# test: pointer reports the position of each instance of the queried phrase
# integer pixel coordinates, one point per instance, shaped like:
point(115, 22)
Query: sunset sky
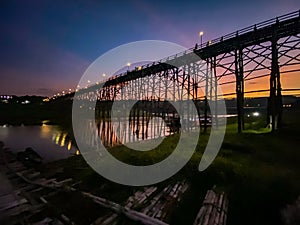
point(47, 45)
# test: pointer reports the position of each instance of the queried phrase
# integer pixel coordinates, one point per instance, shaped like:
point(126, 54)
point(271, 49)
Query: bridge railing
point(229, 36)
point(253, 28)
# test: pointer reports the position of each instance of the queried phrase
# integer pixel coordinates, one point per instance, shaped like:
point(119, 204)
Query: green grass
point(259, 171)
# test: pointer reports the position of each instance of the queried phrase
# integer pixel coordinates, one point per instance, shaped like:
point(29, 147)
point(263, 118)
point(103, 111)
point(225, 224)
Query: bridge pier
point(239, 74)
point(275, 101)
point(206, 97)
point(214, 75)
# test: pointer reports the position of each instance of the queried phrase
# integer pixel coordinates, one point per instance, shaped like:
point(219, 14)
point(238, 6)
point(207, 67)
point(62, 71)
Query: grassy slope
point(260, 173)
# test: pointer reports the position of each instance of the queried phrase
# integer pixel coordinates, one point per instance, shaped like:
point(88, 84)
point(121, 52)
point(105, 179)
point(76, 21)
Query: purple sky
point(47, 45)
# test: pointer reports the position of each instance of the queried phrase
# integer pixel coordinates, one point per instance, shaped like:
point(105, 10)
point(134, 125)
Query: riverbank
point(36, 113)
point(259, 172)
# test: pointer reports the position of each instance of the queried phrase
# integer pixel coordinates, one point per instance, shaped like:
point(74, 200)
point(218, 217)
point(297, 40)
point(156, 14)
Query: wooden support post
point(188, 96)
point(239, 73)
point(216, 90)
point(275, 102)
point(206, 97)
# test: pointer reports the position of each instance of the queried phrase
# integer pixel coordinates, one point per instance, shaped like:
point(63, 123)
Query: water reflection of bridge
point(267, 49)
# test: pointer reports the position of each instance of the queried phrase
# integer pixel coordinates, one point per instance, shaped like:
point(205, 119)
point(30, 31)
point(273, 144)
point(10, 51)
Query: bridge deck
point(286, 25)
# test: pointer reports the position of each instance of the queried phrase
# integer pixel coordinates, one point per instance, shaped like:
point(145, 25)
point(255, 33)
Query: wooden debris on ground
point(25, 191)
point(150, 206)
point(213, 210)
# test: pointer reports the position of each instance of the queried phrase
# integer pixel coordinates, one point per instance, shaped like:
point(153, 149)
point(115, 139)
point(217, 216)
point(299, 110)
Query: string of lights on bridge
point(88, 84)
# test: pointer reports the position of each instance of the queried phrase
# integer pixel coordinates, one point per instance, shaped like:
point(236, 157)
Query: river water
point(47, 140)
point(51, 143)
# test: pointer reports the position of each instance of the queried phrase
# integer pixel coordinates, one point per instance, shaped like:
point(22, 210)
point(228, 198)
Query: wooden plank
point(213, 210)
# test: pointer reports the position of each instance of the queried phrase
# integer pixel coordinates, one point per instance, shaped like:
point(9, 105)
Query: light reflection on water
point(47, 140)
point(122, 131)
point(51, 143)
